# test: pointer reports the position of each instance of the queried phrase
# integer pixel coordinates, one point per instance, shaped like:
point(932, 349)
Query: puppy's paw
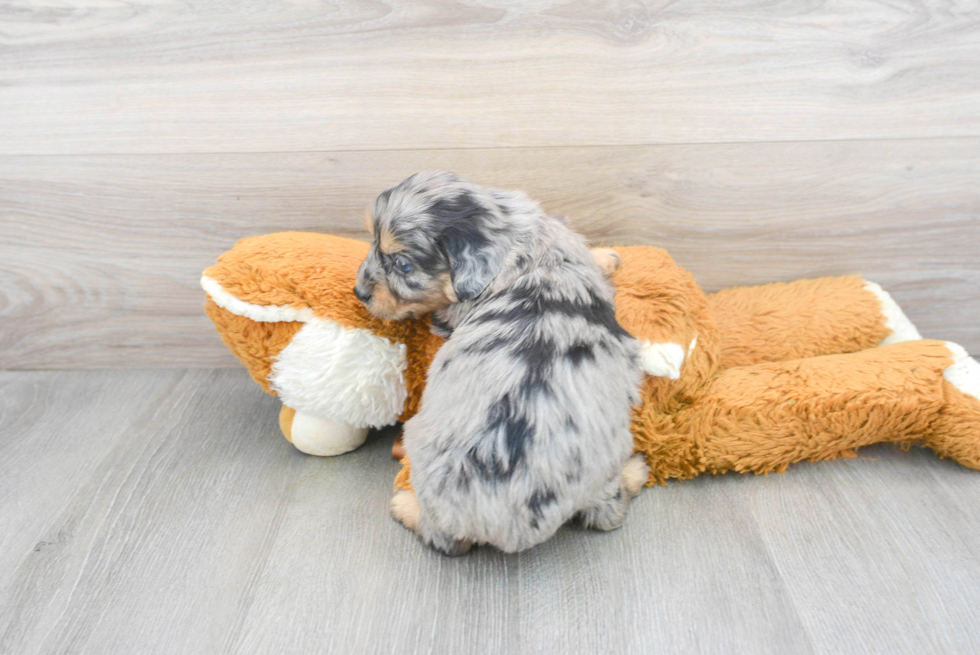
point(449, 546)
point(607, 259)
point(405, 508)
point(609, 510)
point(635, 474)
point(606, 515)
point(398, 448)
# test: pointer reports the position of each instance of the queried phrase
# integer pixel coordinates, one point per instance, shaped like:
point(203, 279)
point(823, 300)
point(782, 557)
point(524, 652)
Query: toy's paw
point(317, 436)
point(607, 259)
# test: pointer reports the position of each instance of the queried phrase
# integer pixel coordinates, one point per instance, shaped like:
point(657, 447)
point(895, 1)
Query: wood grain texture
point(176, 77)
point(866, 521)
point(101, 255)
point(140, 554)
point(161, 512)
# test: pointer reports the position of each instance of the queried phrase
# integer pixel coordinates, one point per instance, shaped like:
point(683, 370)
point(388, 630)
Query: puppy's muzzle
point(362, 293)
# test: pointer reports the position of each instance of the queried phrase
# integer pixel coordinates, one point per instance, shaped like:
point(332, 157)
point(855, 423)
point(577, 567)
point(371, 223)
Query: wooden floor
point(161, 512)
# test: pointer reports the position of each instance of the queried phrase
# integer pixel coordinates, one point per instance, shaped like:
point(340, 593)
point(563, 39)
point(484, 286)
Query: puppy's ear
point(472, 263)
point(475, 254)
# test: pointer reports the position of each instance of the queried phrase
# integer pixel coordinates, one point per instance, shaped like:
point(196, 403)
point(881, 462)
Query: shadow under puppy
point(525, 418)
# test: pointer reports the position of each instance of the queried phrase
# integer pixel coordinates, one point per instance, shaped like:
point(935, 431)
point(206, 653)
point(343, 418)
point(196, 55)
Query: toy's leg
point(806, 318)
point(763, 418)
point(610, 511)
point(317, 436)
point(956, 433)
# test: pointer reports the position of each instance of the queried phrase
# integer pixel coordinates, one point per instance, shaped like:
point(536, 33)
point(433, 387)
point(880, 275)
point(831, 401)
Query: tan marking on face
point(384, 305)
point(388, 243)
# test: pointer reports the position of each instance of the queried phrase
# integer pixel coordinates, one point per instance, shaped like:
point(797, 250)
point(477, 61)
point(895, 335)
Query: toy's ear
point(474, 255)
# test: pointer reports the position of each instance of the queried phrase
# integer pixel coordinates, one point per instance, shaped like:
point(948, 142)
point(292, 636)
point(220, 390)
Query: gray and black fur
point(525, 419)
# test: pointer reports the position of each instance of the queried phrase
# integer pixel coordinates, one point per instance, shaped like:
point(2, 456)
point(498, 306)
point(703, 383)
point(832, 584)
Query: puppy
point(524, 421)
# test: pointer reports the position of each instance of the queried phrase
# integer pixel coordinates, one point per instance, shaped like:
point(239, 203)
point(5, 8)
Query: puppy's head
point(437, 239)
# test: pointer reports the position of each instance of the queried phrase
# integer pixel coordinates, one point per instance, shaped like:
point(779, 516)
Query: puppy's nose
point(363, 296)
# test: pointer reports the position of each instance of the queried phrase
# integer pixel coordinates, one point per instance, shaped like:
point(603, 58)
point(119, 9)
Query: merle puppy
point(525, 418)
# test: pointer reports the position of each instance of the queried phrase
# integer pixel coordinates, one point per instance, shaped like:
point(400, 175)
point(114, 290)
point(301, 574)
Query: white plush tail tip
point(901, 327)
point(964, 373)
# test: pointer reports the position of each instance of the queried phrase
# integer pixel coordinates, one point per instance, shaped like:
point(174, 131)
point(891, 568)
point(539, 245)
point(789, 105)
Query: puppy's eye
point(402, 265)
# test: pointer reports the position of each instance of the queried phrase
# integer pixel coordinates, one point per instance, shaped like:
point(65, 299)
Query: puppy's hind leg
point(405, 508)
point(609, 511)
point(442, 541)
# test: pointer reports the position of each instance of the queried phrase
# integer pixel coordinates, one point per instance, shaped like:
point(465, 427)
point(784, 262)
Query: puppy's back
point(527, 410)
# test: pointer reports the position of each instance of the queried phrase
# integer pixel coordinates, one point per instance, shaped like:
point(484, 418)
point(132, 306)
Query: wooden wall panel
point(178, 77)
point(100, 255)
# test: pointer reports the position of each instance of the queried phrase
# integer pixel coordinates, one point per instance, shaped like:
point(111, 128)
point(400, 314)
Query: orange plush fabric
point(762, 418)
point(255, 344)
point(956, 430)
point(772, 375)
point(792, 320)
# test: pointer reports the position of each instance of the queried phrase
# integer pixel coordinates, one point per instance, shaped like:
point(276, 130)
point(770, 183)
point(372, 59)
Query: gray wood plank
point(689, 572)
point(206, 77)
point(191, 526)
point(879, 553)
point(343, 577)
point(670, 581)
point(154, 550)
point(101, 256)
point(55, 428)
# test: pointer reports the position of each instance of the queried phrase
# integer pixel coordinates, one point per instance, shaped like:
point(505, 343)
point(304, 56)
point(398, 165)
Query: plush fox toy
point(746, 379)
